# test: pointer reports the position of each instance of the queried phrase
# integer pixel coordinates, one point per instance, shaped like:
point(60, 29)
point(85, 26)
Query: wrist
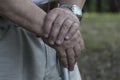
point(74, 8)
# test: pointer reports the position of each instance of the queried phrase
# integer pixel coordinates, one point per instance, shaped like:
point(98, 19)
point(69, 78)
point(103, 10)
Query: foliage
point(102, 6)
point(101, 33)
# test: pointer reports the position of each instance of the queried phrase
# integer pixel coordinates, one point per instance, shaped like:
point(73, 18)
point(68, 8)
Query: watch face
point(76, 10)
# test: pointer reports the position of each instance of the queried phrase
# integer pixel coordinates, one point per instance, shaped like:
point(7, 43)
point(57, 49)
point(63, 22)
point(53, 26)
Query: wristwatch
point(74, 8)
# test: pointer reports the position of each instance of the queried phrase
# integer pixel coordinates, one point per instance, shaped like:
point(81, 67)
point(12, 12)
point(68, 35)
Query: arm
point(24, 13)
point(76, 2)
point(61, 23)
point(58, 23)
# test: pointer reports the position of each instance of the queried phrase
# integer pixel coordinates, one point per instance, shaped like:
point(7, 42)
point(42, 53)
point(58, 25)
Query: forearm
point(24, 13)
point(77, 2)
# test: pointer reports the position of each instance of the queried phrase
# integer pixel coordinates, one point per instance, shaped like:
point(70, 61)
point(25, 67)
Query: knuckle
point(56, 24)
point(49, 17)
point(66, 25)
point(69, 21)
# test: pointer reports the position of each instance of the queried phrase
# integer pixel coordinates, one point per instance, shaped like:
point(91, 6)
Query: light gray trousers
point(23, 56)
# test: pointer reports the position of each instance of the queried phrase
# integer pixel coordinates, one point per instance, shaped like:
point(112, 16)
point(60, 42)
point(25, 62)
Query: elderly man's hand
point(60, 24)
point(69, 50)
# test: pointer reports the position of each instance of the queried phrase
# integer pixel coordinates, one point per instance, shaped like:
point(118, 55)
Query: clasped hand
point(61, 32)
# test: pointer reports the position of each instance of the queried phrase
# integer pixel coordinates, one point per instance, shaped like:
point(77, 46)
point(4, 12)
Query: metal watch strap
point(74, 8)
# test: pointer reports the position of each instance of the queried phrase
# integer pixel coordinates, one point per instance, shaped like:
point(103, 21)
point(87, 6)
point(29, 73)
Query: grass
point(101, 33)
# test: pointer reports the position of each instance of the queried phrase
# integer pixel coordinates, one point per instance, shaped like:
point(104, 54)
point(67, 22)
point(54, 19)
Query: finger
point(72, 30)
point(70, 58)
point(62, 57)
point(81, 41)
point(77, 50)
point(49, 19)
point(56, 28)
point(65, 27)
point(79, 46)
point(72, 42)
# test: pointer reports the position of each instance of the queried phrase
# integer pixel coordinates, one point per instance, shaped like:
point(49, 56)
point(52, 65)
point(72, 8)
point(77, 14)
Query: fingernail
point(58, 42)
point(67, 37)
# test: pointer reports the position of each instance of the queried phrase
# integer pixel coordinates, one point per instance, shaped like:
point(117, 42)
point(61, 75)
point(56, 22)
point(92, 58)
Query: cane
point(66, 73)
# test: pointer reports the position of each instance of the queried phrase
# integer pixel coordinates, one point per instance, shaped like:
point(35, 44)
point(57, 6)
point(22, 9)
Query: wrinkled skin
point(60, 24)
point(61, 32)
point(69, 51)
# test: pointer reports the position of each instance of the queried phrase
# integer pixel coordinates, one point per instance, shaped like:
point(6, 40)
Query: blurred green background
point(100, 28)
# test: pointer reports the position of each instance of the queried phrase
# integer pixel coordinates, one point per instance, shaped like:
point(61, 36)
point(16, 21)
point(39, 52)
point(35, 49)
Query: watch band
point(74, 8)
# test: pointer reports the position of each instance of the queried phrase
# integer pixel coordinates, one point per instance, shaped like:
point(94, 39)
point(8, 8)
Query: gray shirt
point(42, 1)
point(23, 56)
